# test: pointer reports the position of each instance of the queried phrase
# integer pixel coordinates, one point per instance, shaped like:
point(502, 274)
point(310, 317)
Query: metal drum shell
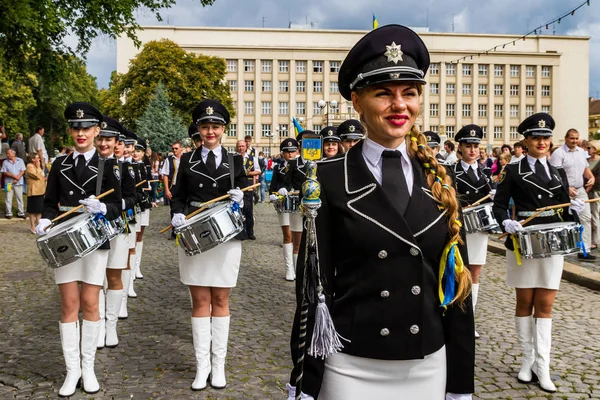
point(288, 204)
point(546, 240)
point(479, 218)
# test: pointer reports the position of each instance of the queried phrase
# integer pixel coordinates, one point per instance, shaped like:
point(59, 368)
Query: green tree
point(158, 124)
point(16, 100)
point(189, 78)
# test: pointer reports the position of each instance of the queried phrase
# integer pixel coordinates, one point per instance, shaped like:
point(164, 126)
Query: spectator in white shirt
point(517, 153)
point(36, 145)
point(13, 169)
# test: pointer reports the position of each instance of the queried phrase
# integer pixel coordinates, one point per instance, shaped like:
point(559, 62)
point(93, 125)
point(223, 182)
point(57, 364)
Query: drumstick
point(566, 204)
point(479, 201)
point(204, 205)
point(153, 180)
point(524, 222)
point(140, 182)
point(292, 193)
point(79, 207)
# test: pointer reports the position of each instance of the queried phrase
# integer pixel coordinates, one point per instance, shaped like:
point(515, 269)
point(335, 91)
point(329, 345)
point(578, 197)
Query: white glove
point(40, 229)
point(273, 197)
point(237, 195)
point(512, 226)
point(178, 220)
point(123, 204)
point(460, 396)
point(577, 205)
point(93, 205)
point(492, 193)
point(292, 393)
point(283, 191)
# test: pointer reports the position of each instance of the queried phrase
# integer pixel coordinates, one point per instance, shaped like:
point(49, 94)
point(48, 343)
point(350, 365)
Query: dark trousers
point(248, 212)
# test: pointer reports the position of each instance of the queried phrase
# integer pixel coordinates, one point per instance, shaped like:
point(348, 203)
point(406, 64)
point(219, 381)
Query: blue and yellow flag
point(297, 127)
point(375, 22)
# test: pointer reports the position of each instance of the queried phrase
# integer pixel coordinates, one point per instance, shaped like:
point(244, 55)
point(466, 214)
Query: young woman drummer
point(203, 175)
point(534, 183)
point(143, 194)
point(332, 145)
point(288, 177)
point(73, 180)
point(388, 230)
point(472, 184)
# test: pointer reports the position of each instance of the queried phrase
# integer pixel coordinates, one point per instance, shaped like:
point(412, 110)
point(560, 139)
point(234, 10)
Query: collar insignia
point(393, 53)
point(79, 113)
point(210, 110)
point(472, 132)
point(351, 128)
point(541, 123)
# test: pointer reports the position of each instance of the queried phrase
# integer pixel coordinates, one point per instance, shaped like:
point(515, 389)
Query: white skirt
point(542, 273)
point(218, 267)
point(356, 378)
point(145, 218)
point(90, 269)
point(131, 237)
point(293, 220)
point(119, 252)
point(477, 247)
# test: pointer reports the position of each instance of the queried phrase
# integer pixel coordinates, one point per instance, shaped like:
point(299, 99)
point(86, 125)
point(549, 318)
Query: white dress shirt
point(574, 162)
point(166, 169)
point(473, 166)
point(516, 159)
point(372, 152)
point(87, 155)
point(544, 162)
point(218, 155)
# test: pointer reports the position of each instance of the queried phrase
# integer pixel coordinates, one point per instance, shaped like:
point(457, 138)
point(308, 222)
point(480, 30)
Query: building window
point(498, 70)
point(300, 86)
point(318, 67)
point(334, 109)
point(434, 69)
point(450, 88)
point(498, 90)
point(232, 65)
point(514, 90)
point(450, 131)
point(284, 86)
point(466, 90)
point(232, 130)
point(434, 88)
point(514, 135)
point(284, 130)
point(498, 132)
point(316, 108)
point(318, 87)
point(514, 111)
point(483, 89)
point(301, 67)
point(232, 86)
point(466, 111)
point(514, 70)
point(266, 86)
point(284, 108)
point(483, 70)
point(334, 87)
point(545, 71)
point(266, 108)
point(235, 106)
point(248, 65)
point(248, 107)
point(528, 111)
point(530, 71)
point(545, 91)
point(530, 90)
point(434, 128)
point(467, 69)
point(546, 109)
point(248, 129)
point(266, 130)
point(317, 128)
point(483, 110)
point(284, 66)
point(484, 131)
point(434, 110)
point(450, 110)
point(248, 86)
point(301, 108)
point(334, 67)
point(450, 69)
point(498, 110)
point(267, 65)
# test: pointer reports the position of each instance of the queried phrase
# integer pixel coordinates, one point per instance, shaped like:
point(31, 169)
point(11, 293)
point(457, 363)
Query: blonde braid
point(442, 189)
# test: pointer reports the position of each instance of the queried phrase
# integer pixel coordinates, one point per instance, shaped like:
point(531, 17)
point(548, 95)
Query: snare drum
point(288, 204)
point(72, 240)
point(210, 228)
point(546, 240)
point(479, 218)
point(115, 227)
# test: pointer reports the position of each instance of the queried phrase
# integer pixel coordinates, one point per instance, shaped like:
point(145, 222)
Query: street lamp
point(322, 104)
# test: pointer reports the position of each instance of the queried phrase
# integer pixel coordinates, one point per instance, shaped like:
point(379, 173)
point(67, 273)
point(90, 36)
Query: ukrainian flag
point(375, 22)
point(297, 127)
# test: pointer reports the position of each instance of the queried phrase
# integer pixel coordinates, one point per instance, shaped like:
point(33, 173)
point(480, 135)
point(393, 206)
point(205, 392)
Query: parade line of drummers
point(401, 239)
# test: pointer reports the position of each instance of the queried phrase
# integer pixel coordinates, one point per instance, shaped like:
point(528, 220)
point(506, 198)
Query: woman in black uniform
point(332, 145)
point(388, 233)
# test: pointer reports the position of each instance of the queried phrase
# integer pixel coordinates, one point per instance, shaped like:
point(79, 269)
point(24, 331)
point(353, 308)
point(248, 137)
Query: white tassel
point(325, 340)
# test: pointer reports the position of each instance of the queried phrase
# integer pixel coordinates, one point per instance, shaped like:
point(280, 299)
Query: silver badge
point(393, 53)
point(394, 76)
point(117, 172)
point(103, 125)
point(472, 132)
point(131, 172)
point(330, 133)
point(541, 123)
point(210, 110)
point(289, 144)
point(351, 128)
point(79, 113)
point(429, 138)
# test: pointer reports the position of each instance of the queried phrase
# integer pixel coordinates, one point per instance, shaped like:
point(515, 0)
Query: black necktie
point(471, 174)
point(211, 164)
point(80, 167)
point(540, 171)
point(393, 180)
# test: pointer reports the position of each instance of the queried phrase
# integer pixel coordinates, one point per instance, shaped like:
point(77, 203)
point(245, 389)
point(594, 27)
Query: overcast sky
point(473, 16)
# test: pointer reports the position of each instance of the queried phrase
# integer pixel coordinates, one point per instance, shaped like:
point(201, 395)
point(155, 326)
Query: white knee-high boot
point(475, 295)
point(201, 337)
point(102, 310)
point(132, 262)
point(288, 258)
point(543, 344)
point(114, 299)
point(89, 341)
point(220, 336)
point(525, 333)
point(69, 338)
point(126, 279)
point(139, 246)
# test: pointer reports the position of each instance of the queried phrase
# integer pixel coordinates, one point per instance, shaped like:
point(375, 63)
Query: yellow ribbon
point(458, 268)
point(516, 248)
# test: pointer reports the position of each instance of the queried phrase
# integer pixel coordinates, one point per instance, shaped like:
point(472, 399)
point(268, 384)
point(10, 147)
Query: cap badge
point(210, 110)
point(393, 53)
point(394, 76)
point(351, 128)
point(330, 133)
point(289, 144)
point(429, 138)
point(472, 132)
point(79, 113)
point(541, 123)
point(103, 125)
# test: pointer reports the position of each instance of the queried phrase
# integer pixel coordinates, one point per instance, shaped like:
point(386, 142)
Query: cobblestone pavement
point(155, 357)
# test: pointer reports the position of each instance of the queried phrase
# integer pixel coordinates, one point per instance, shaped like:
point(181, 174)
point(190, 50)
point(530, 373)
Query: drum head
point(66, 225)
point(550, 226)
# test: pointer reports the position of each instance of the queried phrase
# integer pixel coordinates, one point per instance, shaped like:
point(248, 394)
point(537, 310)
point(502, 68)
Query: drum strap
point(231, 169)
point(100, 176)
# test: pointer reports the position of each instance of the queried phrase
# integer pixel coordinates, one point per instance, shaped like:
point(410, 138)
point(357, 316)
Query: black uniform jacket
point(381, 273)
point(128, 184)
point(64, 189)
point(195, 183)
point(468, 191)
point(530, 193)
point(291, 176)
point(140, 171)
